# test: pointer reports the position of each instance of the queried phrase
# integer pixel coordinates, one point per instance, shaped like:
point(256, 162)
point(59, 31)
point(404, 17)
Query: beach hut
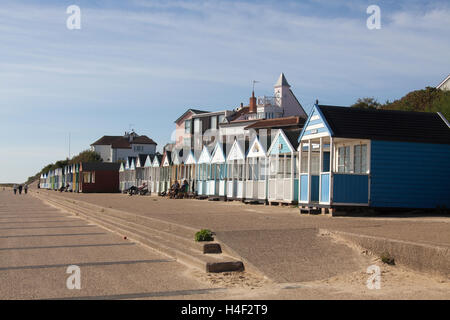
point(374, 158)
point(132, 172)
point(140, 169)
point(283, 167)
point(177, 168)
point(156, 173)
point(203, 171)
point(256, 172)
point(98, 177)
point(122, 177)
point(235, 170)
point(217, 182)
point(166, 172)
point(189, 170)
point(148, 170)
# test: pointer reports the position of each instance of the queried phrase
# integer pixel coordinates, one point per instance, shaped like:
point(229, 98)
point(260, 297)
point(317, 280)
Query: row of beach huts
point(333, 157)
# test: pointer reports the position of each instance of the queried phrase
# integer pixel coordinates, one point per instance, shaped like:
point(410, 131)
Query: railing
point(266, 101)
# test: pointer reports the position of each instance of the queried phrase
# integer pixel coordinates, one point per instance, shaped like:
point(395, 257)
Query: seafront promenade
point(297, 254)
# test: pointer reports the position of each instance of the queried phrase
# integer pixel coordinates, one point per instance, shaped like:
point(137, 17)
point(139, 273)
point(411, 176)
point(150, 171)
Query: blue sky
point(145, 62)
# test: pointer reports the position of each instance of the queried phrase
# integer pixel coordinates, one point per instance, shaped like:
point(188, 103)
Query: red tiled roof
point(277, 123)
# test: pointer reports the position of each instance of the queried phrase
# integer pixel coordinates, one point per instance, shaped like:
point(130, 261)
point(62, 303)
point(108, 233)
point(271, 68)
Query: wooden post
point(320, 167)
point(309, 171)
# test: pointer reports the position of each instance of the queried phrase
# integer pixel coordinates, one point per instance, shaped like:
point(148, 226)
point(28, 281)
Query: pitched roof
point(122, 142)
point(100, 166)
point(282, 81)
point(293, 136)
point(243, 111)
point(390, 125)
point(444, 81)
point(277, 123)
point(194, 111)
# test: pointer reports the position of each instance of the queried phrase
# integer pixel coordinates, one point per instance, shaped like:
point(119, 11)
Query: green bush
point(387, 258)
point(204, 235)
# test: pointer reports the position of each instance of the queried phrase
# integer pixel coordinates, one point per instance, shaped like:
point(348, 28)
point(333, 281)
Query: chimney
point(252, 107)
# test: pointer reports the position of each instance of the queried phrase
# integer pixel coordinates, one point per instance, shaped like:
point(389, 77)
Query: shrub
point(204, 235)
point(387, 258)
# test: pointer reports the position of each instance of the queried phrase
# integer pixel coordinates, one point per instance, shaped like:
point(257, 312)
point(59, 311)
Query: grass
point(204, 235)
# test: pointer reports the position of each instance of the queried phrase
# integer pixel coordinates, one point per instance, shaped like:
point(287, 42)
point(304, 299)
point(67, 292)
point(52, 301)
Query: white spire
point(282, 81)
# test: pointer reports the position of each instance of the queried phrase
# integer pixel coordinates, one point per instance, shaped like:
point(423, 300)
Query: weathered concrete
point(420, 257)
point(217, 267)
point(212, 248)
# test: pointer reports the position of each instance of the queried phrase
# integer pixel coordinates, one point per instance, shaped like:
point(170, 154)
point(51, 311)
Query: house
point(184, 128)
point(99, 177)
point(374, 158)
point(445, 84)
point(119, 148)
point(282, 104)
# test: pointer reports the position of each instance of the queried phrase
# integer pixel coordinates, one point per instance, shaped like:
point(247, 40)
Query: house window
point(138, 148)
point(221, 117)
point(187, 126)
point(344, 159)
point(197, 128)
point(360, 158)
point(214, 122)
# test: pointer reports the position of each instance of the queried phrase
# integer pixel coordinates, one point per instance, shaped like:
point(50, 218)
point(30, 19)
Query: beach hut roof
point(387, 125)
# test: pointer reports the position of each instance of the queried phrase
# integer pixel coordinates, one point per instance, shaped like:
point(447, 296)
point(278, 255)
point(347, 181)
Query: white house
point(445, 85)
point(282, 104)
point(120, 148)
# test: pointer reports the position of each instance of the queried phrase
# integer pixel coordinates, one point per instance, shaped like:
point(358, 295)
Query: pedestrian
point(15, 188)
point(20, 189)
point(25, 188)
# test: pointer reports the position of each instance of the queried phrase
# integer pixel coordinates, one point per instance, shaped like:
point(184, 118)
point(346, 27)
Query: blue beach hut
point(374, 158)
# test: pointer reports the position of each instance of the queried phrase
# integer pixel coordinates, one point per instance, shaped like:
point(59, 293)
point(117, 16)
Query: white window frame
point(351, 144)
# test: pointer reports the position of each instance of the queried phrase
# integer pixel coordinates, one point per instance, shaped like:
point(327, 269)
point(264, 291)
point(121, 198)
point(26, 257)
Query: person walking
point(20, 189)
point(25, 188)
point(15, 188)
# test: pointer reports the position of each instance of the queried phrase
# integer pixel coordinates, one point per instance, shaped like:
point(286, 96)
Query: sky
point(140, 64)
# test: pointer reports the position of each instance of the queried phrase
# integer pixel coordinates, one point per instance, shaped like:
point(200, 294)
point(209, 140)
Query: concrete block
point(230, 266)
point(212, 248)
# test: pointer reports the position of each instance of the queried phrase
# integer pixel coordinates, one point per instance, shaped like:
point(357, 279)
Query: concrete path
point(282, 244)
point(38, 243)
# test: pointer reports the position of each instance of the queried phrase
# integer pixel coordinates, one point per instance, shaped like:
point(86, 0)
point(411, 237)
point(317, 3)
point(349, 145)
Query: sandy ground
point(235, 219)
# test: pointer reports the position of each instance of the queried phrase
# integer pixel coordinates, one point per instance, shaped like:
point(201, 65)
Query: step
point(152, 222)
point(185, 252)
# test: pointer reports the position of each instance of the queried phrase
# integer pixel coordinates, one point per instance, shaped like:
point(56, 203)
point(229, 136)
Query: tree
point(367, 103)
point(86, 156)
point(426, 100)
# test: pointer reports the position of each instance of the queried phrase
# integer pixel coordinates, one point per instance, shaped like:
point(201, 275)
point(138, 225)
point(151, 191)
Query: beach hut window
point(280, 167)
point(88, 177)
point(360, 158)
point(344, 159)
point(273, 166)
point(296, 167)
point(287, 170)
point(315, 163)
